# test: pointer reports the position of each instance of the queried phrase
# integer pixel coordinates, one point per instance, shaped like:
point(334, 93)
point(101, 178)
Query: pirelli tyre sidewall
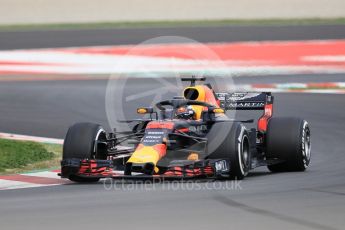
point(288, 140)
point(80, 143)
point(234, 147)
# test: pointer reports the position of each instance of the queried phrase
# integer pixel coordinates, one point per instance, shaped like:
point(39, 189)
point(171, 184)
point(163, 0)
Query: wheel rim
point(101, 136)
point(306, 145)
point(244, 160)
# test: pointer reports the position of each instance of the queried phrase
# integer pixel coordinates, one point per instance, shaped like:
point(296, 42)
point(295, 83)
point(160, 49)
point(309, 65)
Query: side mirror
point(217, 110)
point(145, 110)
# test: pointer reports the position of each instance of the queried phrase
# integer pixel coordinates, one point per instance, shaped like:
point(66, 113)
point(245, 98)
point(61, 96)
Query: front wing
point(179, 169)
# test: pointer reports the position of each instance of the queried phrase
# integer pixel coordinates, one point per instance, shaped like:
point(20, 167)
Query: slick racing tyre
point(84, 141)
point(230, 140)
point(288, 140)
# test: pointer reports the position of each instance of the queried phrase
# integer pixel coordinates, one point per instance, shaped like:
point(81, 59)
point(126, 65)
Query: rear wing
point(249, 101)
point(245, 100)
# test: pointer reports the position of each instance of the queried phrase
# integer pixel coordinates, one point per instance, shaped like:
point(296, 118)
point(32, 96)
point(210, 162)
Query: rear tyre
point(288, 140)
point(84, 141)
point(231, 141)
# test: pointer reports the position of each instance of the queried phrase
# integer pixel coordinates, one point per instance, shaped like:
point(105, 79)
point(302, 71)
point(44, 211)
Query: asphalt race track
point(53, 38)
point(310, 200)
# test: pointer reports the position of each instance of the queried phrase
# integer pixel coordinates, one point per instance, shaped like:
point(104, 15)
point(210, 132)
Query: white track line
point(45, 174)
point(11, 136)
point(10, 184)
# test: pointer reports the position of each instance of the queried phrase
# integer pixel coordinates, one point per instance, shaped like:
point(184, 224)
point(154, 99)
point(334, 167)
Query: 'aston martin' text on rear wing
point(244, 101)
point(249, 101)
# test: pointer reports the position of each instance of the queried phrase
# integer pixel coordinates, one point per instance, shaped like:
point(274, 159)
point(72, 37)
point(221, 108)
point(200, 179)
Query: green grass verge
point(149, 24)
point(23, 156)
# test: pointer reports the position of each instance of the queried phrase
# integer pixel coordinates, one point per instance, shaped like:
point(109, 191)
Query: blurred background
point(56, 59)
point(86, 11)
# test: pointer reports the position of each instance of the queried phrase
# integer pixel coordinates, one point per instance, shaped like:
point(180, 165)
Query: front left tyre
point(230, 140)
point(84, 141)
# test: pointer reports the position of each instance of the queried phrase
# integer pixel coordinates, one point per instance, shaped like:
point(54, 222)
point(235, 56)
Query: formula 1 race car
point(189, 137)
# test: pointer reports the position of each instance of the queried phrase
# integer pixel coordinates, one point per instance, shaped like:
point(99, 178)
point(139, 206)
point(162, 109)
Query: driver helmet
point(185, 112)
